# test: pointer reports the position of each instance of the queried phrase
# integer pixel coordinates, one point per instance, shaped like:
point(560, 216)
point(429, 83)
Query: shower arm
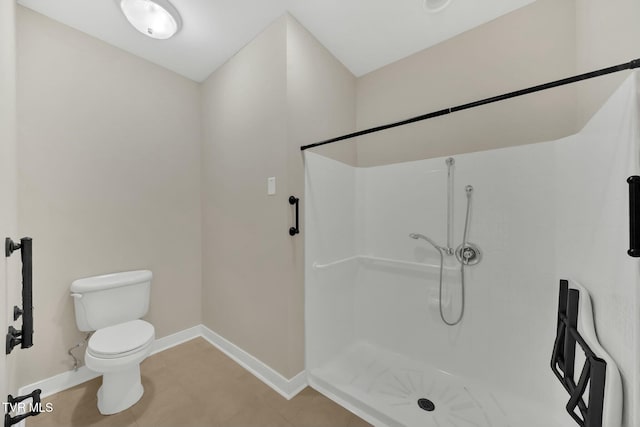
point(441, 249)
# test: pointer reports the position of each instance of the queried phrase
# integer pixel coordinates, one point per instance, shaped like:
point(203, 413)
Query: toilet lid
point(121, 339)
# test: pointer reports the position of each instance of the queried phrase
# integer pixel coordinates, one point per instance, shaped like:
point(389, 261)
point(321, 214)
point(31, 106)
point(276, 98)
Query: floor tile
point(258, 416)
point(79, 407)
point(196, 385)
point(310, 409)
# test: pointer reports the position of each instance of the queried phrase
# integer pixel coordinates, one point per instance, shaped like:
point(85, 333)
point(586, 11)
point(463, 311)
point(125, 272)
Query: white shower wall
point(540, 212)
point(593, 221)
point(330, 222)
point(512, 222)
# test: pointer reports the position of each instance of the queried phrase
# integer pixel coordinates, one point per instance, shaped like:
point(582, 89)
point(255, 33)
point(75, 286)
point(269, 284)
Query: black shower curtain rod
point(626, 66)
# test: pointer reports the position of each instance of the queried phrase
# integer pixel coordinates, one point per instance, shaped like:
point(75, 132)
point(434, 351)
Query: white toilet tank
point(111, 299)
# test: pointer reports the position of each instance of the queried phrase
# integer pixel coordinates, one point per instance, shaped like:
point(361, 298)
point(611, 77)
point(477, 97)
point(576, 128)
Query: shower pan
point(402, 392)
point(375, 340)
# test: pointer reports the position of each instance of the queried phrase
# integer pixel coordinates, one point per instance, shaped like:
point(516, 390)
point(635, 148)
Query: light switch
point(271, 186)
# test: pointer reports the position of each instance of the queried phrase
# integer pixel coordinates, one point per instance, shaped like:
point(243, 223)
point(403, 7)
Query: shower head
point(469, 190)
point(450, 161)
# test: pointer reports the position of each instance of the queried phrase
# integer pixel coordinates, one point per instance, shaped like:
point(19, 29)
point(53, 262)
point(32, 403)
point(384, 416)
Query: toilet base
point(120, 390)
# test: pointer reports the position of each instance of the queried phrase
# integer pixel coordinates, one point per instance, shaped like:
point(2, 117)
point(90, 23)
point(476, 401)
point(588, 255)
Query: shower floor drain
point(426, 405)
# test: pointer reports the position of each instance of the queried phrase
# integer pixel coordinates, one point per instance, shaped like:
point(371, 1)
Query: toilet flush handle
point(78, 296)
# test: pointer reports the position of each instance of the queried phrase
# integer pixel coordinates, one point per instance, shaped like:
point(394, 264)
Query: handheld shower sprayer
point(439, 248)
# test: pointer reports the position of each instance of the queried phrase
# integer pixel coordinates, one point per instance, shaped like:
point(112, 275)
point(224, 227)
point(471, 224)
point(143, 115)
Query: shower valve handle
point(468, 254)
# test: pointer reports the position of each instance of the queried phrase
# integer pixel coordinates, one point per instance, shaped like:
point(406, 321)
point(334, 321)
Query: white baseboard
point(286, 388)
point(60, 382)
point(164, 343)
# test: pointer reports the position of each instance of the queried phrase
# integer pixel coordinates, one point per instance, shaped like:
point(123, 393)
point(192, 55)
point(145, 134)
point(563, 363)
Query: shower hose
point(463, 262)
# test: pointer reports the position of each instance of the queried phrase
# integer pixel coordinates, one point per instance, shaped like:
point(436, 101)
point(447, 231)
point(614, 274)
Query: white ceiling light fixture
point(154, 18)
point(436, 5)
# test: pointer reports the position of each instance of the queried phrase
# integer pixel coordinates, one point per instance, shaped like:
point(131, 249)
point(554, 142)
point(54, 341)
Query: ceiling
point(363, 34)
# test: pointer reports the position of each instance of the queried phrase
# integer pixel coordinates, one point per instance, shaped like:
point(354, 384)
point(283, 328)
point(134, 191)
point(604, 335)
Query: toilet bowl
point(111, 305)
point(116, 352)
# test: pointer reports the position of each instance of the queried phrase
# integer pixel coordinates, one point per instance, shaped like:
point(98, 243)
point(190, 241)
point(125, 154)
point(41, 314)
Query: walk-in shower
point(379, 305)
point(375, 339)
point(466, 254)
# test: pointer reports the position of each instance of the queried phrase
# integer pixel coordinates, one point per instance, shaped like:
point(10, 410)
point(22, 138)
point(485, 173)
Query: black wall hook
point(295, 230)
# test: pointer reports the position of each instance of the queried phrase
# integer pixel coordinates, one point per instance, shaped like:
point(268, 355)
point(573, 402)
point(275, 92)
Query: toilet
point(112, 305)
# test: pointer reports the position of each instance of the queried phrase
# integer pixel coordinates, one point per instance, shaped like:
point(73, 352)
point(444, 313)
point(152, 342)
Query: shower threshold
point(388, 389)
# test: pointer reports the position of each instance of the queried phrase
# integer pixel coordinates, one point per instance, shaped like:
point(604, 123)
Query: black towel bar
point(295, 230)
point(634, 216)
point(24, 336)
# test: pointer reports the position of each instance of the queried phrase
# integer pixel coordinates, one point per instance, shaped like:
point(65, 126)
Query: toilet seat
point(121, 340)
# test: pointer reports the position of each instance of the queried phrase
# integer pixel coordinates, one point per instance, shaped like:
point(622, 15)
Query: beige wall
point(321, 95)
point(109, 180)
point(8, 198)
point(254, 124)
point(529, 46)
point(246, 250)
point(607, 33)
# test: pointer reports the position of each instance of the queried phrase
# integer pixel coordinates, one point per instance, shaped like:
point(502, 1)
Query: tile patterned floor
point(195, 385)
